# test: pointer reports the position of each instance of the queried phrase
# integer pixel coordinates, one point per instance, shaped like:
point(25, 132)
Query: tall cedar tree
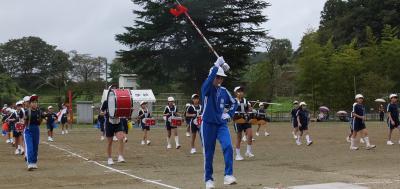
point(166, 51)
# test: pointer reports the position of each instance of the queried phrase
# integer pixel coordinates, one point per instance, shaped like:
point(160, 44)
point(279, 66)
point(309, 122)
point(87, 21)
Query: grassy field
point(78, 160)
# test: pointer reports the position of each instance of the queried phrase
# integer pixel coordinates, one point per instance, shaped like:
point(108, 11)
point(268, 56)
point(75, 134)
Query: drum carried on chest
point(262, 118)
point(253, 118)
point(149, 121)
point(239, 118)
point(19, 127)
point(120, 103)
point(176, 121)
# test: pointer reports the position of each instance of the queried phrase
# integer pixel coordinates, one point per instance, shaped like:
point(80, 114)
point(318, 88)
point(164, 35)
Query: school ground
point(78, 160)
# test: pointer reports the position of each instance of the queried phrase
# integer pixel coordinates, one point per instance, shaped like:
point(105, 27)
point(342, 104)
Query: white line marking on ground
point(156, 182)
point(378, 182)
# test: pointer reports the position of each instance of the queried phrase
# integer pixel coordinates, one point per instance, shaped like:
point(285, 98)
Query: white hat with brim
point(195, 95)
point(143, 102)
point(393, 96)
point(237, 88)
point(171, 99)
point(50, 107)
point(220, 72)
point(359, 96)
point(303, 104)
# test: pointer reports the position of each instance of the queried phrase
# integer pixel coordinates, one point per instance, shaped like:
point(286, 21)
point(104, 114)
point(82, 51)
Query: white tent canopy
point(137, 96)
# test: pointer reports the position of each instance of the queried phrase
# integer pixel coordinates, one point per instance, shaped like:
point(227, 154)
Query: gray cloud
point(89, 26)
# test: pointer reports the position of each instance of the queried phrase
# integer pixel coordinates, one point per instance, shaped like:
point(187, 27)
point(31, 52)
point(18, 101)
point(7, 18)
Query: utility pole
point(106, 74)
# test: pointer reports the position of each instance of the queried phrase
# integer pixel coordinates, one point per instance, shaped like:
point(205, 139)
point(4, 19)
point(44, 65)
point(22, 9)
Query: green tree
point(170, 51)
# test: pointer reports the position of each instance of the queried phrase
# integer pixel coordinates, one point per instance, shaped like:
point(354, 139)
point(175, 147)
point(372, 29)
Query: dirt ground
point(278, 162)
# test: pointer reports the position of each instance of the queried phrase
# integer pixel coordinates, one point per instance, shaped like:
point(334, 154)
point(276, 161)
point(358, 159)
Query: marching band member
point(171, 111)
point(194, 113)
point(262, 115)
point(293, 119)
point(214, 125)
point(187, 119)
point(19, 143)
point(6, 115)
point(302, 122)
point(243, 108)
point(64, 119)
point(393, 117)
point(12, 120)
point(33, 119)
point(113, 127)
point(51, 118)
point(142, 115)
point(358, 114)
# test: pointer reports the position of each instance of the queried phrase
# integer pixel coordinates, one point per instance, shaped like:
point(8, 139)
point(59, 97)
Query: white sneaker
point(193, 151)
point(210, 184)
point(371, 146)
point(143, 143)
point(17, 151)
point(115, 138)
point(110, 161)
point(257, 134)
point(178, 146)
point(62, 132)
point(244, 139)
point(239, 157)
point(30, 167)
point(34, 166)
point(121, 159)
point(187, 134)
point(362, 141)
point(12, 141)
point(8, 141)
point(266, 134)
point(348, 139)
point(249, 154)
point(229, 180)
point(294, 135)
point(389, 142)
point(148, 142)
point(125, 139)
point(21, 151)
point(66, 131)
point(169, 146)
point(102, 138)
point(353, 148)
point(309, 143)
point(298, 143)
point(49, 139)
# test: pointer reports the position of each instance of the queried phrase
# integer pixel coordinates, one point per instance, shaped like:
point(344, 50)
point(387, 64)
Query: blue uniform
point(294, 118)
point(213, 126)
point(393, 109)
point(32, 134)
point(358, 124)
point(303, 117)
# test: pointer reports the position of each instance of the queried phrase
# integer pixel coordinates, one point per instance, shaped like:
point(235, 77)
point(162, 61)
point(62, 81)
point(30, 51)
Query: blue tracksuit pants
point(31, 137)
point(209, 134)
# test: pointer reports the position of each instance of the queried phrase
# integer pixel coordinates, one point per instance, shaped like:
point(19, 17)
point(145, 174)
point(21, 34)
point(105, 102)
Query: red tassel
point(180, 9)
point(174, 12)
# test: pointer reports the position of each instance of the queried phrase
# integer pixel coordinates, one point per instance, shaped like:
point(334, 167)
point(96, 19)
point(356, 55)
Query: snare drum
point(239, 118)
point(120, 103)
point(252, 118)
point(149, 121)
point(19, 127)
point(176, 121)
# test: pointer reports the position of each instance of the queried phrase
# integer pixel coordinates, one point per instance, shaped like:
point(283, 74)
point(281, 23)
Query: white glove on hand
point(225, 67)
point(220, 61)
point(225, 116)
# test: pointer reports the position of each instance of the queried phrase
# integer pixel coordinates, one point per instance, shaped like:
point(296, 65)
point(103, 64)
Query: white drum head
point(111, 103)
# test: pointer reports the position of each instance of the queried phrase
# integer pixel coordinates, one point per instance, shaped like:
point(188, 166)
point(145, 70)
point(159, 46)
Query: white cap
point(143, 102)
point(50, 107)
point(303, 104)
point(295, 102)
point(237, 88)
point(26, 98)
point(194, 95)
point(19, 103)
point(171, 99)
point(392, 96)
point(220, 72)
point(359, 96)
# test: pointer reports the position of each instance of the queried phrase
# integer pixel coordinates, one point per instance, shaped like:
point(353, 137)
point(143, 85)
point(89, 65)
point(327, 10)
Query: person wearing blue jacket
point(215, 119)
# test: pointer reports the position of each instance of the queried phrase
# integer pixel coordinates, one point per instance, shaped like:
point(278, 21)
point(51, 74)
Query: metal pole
point(355, 89)
point(106, 75)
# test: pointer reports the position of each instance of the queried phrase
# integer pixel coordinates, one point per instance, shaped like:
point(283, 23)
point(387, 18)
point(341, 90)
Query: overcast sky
point(89, 26)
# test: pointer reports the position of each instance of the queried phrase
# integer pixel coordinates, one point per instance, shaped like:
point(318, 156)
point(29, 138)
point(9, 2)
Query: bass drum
point(120, 103)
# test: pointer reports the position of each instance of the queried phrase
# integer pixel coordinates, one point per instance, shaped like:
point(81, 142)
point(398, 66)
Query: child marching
point(33, 119)
point(214, 125)
point(194, 113)
point(302, 122)
point(262, 119)
point(19, 129)
point(51, 118)
point(293, 119)
point(63, 117)
point(359, 127)
point(170, 112)
point(143, 114)
point(244, 107)
point(393, 117)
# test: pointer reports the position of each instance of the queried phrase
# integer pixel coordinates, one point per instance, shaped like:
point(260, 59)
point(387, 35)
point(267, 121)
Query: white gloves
point(221, 63)
point(225, 116)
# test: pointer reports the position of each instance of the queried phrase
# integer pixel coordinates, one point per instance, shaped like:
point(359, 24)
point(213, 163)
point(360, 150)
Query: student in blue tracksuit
point(214, 125)
point(393, 117)
point(33, 118)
